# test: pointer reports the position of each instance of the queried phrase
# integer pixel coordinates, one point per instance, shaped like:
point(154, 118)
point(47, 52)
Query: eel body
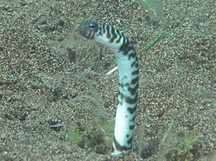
point(127, 61)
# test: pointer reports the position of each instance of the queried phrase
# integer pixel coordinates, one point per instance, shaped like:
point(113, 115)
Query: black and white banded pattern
point(127, 62)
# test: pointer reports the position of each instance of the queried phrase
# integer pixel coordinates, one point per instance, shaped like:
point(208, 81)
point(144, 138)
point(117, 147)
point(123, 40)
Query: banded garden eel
point(127, 62)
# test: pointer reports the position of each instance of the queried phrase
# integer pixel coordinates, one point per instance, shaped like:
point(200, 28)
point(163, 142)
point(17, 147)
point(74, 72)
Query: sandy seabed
point(49, 75)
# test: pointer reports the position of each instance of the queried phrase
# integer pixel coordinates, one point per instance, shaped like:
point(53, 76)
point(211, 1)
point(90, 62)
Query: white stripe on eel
point(127, 62)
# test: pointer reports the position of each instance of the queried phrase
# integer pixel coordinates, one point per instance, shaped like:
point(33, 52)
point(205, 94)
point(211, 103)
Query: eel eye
point(92, 25)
